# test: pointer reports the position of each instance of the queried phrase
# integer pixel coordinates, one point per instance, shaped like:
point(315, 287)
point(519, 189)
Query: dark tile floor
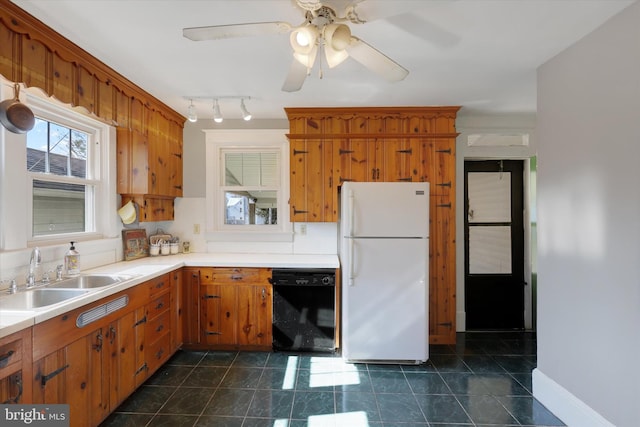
point(484, 380)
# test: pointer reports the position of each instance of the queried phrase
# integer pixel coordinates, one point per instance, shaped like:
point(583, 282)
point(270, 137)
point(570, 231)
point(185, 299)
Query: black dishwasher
point(304, 310)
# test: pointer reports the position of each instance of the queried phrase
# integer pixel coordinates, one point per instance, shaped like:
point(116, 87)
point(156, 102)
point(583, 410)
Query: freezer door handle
point(352, 262)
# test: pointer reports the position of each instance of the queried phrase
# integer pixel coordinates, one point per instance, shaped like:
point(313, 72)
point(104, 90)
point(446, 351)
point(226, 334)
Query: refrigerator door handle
point(352, 262)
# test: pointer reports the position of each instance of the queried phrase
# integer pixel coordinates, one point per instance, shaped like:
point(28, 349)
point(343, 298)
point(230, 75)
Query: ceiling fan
point(321, 32)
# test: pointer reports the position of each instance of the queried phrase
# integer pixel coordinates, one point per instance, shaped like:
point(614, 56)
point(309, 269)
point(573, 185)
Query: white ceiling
point(480, 54)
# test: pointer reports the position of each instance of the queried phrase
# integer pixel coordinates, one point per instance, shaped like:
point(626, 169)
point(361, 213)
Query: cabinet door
point(351, 160)
point(312, 197)
point(191, 306)
point(176, 309)
point(126, 339)
point(442, 270)
point(77, 375)
point(254, 315)
point(211, 328)
point(443, 166)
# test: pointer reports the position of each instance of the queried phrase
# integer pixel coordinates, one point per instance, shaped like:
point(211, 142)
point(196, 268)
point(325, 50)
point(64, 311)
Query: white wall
point(589, 228)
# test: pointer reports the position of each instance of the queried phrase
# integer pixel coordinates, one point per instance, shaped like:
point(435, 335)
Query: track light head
point(246, 115)
point(192, 115)
point(217, 116)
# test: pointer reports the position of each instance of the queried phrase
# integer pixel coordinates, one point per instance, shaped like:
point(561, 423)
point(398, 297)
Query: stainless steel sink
point(38, 298)
point(89, 281)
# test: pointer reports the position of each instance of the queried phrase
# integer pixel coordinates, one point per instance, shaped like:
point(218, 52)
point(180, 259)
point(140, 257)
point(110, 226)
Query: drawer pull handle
point(46, 378)
point(4, 359)
point(159, 306)
point(159, 328)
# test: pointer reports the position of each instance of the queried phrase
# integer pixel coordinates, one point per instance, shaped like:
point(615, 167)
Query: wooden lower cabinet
point(95, 367)
point(228, 308)
point(15, 368)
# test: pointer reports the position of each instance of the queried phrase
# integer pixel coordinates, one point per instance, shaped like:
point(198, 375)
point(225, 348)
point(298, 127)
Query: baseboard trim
point(566, 406)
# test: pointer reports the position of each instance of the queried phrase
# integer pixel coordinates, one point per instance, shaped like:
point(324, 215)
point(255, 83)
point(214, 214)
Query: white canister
point(154, 249)
point(174, 248)
point(165, 249)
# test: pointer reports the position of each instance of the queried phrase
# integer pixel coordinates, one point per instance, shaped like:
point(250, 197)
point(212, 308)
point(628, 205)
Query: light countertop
point(147, 268)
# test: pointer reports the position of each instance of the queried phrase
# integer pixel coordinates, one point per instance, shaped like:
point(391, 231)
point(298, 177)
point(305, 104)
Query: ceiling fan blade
point(296, 77)
point(217, 32)
point(376, 61)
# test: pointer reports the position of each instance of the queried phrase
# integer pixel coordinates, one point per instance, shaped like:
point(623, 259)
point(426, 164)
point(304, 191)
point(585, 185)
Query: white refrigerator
point(384, 254)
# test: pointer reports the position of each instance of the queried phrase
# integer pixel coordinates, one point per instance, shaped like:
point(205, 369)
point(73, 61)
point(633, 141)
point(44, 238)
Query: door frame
point(529, 303)
point(514, 282)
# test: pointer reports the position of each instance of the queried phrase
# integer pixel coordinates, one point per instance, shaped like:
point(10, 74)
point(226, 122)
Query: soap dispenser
point(72, 261)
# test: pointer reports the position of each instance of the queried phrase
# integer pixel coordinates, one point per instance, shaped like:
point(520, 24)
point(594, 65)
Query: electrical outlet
point(303, 229)
point(196, 228)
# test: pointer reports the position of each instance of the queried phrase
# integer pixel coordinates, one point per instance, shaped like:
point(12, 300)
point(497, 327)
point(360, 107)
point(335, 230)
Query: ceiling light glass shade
point(245, 113)
point(303, 39)
point(192, 116)
point(307, 59)
point(336, 39)
point(217, 116)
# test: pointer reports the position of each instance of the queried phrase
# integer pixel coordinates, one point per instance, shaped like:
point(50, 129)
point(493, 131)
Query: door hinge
point(447, 324)
point(46, 378)
point(140, 322)
point(447, 151)
point(444, 205)
point(208, 296)
point(296, 152)
point(444, 184)
point(212, 333)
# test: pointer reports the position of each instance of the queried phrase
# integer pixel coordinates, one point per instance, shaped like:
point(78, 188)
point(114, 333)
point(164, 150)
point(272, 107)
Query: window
point(250, 187)
point(247, 185)
point(70, 172)
point(57, 163)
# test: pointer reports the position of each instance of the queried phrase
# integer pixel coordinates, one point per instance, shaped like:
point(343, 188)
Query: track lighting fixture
point(193, 116)
point(217, 115)
point(246, 115)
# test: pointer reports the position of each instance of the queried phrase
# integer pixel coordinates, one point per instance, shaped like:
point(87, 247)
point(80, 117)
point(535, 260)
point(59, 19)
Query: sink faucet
point(34, 263)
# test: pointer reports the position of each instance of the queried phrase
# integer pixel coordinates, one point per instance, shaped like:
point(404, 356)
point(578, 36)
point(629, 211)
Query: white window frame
point(102, 176)
point(220, 141)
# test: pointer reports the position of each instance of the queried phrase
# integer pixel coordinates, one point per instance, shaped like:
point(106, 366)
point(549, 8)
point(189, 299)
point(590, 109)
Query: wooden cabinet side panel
point(442, 286)
point(298, 181)
point(191, 306)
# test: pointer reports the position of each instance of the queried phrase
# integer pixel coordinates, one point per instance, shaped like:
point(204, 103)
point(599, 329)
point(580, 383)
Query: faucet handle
point(59, 268)
point(45, 276)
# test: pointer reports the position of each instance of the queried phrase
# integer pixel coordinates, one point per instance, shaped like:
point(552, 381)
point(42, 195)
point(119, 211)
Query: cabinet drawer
point(10, 354)
point(158, 352)
point(209, 276)
point(157, 326)
point(159, 284)
point(158, 305)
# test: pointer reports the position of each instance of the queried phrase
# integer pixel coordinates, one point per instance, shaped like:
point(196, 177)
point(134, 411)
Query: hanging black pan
point(14, 115)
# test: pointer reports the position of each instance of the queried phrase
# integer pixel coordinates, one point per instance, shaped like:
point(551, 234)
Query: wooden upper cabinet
point(313, 197)
point(394, 144)
point(150, 133)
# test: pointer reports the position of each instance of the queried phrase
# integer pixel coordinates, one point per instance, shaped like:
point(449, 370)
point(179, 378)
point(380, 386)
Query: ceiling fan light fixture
point(246, 115)
point(191, 113)
point(303, 39)
point(217, 116)
point(336, 40)
point(307, 59)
